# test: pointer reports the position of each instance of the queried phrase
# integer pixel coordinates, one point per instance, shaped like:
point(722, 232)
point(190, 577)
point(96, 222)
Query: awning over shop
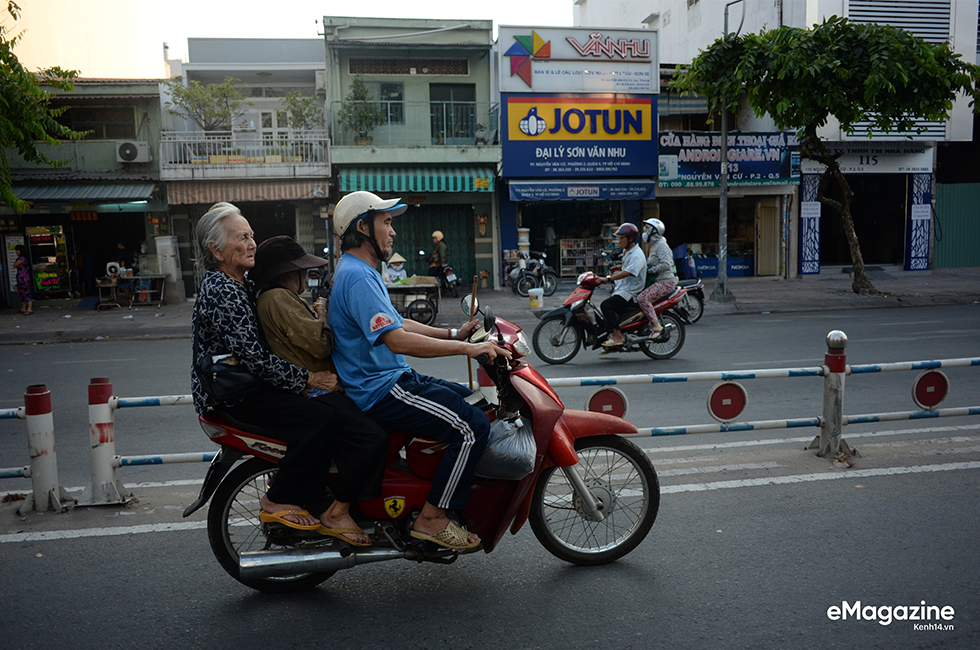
point(417, 179)
point(596, 190)
point(85, 192)
point(209, 192)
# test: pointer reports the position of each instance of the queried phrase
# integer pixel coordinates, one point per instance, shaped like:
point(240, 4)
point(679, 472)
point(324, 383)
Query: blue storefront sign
point(693, 159)
point(595, 190)
point(707, 267)
point(579, 136)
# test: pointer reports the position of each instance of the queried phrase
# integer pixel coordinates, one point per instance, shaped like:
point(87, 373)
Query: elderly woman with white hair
point(225, 322)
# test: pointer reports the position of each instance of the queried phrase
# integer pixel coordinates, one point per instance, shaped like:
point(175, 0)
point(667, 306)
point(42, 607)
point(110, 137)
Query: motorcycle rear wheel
point(234, 527)
point(553, 342)
point(694, 304)
point(549, 282)
point(621, 478)
point(672, 345)
point(422, 311)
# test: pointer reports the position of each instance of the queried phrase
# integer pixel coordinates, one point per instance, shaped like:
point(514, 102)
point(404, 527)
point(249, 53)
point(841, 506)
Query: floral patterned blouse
point(225, 322)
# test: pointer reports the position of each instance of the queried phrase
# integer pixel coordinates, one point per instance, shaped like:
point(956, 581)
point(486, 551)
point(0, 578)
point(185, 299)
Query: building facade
point(275, 170)
point(105, 204)
point(436, 142)
point(899, 230)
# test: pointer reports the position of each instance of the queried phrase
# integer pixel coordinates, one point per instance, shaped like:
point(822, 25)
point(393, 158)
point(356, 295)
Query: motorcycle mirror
point(489, 320)
point(465, 304)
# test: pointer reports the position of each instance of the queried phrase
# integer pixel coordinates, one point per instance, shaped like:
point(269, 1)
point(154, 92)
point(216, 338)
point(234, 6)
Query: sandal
point(279, 517)
point(657, 335)
point(452, 536)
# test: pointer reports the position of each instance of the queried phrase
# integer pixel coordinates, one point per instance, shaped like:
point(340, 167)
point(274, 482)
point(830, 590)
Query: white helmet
point(657, 225)
point(357, 204)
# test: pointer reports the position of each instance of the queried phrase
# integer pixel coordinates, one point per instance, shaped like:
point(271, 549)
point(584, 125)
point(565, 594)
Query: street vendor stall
point(416, 298)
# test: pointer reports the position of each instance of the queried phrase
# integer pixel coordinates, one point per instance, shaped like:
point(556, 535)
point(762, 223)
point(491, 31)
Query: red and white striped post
point(46, 493)
point(832, 423)
point(104, 489)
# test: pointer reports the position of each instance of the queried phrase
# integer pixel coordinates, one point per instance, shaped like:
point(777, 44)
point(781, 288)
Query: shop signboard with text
point(575, 136)
point(578, 60)
point(693, 159)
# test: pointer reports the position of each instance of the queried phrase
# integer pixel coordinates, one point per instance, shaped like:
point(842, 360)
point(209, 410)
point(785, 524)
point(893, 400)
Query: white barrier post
point(104, 489)
point(46, 493)
point(832, 423)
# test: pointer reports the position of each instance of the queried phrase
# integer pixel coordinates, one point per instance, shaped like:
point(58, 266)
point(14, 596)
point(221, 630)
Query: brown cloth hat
point(278, 255)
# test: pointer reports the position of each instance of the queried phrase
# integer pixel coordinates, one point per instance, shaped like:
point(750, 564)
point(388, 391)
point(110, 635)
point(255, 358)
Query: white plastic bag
point(510, 451)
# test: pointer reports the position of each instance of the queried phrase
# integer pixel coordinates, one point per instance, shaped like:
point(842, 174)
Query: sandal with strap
point(452, 536)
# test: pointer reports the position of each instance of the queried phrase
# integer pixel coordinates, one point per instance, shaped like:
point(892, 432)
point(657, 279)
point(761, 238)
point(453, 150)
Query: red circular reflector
point(930, 389)
point(726, 401)
point(610, 401)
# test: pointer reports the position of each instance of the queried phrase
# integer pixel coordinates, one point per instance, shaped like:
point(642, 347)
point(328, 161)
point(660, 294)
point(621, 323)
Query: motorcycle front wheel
point(549, 282)
point(622, 480)
point(525, 283)
point(234, 527)
point(669, 346)
point(555, 343)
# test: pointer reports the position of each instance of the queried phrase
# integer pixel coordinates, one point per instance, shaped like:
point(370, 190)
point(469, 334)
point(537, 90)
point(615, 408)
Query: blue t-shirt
point(360, 312)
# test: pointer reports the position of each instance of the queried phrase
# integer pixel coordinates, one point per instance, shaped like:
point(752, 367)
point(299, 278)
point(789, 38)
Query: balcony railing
point(244, 154)
point(415, 124)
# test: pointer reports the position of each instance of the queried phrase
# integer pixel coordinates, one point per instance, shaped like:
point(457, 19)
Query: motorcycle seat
point(219, 413)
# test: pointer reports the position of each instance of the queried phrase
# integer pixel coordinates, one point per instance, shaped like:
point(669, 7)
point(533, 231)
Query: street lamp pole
point(721, 292)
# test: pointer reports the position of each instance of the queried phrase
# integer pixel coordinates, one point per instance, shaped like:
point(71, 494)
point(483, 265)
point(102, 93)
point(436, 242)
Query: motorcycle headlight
point(578, 303)
point(521, 346)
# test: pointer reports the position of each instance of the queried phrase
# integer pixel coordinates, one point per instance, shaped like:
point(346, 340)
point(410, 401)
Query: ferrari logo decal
point(395, 506)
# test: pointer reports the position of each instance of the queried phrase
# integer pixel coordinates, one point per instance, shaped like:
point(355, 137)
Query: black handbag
point(224, 379)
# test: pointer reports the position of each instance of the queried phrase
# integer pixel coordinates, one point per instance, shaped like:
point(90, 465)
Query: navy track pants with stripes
point(434, 408)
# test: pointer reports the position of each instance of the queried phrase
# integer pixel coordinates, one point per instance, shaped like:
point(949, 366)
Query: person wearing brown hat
point(301, 336)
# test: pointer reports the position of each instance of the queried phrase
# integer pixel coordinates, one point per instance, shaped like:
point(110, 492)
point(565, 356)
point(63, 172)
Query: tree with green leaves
point(360, 113)
point(854, 72)
point(213, 107)
point(26, 115)
point(305, 112)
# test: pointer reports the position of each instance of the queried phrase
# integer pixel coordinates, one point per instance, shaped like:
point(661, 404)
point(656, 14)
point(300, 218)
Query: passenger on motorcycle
point(301, 336)
point(629, 282)
point(224, 322)
point(372, 341)
point(660, 271)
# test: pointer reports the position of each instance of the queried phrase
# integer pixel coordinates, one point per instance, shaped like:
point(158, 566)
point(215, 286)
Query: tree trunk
point(812, 147)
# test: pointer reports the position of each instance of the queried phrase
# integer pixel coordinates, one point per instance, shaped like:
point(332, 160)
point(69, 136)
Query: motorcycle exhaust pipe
point(269, 564)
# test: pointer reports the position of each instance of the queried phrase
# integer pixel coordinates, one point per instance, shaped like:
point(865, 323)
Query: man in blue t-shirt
point(371, 341)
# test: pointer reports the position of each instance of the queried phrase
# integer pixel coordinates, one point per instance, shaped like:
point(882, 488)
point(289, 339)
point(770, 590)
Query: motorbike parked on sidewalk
point(446, 278)
point(591, 497)
point(532, 272)
point(561, 332)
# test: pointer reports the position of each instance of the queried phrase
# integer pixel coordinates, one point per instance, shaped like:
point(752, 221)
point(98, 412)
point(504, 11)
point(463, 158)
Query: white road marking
point(805, 439)
point(55, 363)
point(106, 531)
point(664, 489)
point(716, 468)
point(805, 478)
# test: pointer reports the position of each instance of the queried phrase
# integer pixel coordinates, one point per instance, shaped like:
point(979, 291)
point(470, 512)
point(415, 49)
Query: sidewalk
point(827, 292)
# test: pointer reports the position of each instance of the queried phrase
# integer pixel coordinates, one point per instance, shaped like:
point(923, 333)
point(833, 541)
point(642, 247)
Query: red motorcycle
point(561, 332)
point(591, 496)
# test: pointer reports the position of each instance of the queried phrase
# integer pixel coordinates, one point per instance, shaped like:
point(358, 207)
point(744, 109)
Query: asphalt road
point(756, 538)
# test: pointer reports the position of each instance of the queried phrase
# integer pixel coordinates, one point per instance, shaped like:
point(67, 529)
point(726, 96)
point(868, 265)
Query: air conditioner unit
point(133, 151)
